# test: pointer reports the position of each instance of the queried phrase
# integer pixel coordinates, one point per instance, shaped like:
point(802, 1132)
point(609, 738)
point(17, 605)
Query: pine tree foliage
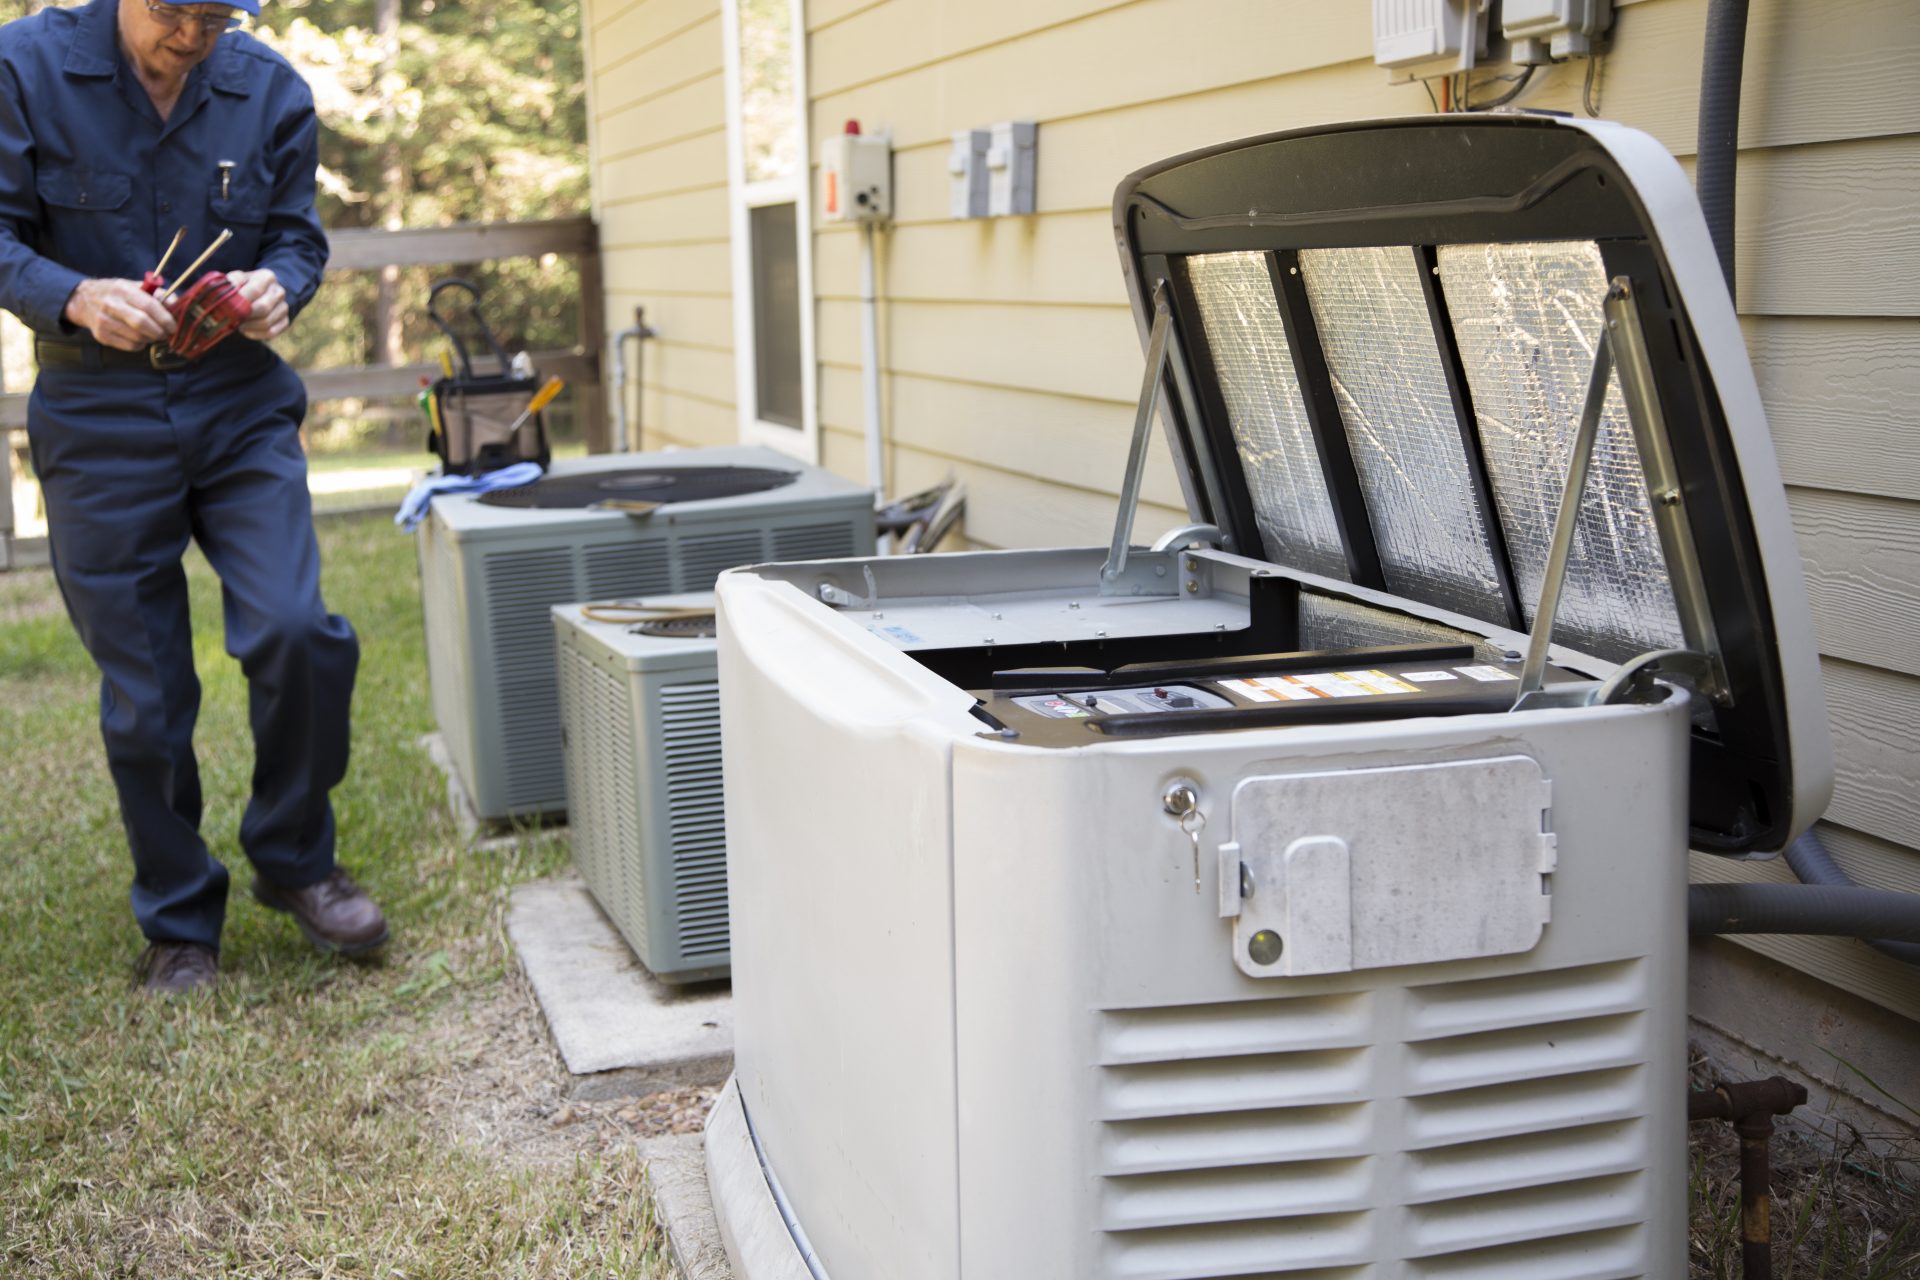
point(482, 103)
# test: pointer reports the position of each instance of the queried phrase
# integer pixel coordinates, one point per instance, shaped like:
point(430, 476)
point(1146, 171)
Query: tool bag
point(474, 415)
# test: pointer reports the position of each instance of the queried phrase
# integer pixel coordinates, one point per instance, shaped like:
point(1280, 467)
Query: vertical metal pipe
point(1717, 149)
point(870, 362)
point(1756, 1196)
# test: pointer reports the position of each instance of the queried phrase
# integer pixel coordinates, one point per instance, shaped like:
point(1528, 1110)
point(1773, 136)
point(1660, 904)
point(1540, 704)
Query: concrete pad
point(622, 1032)
point(758, 1243)
point(677, 1174)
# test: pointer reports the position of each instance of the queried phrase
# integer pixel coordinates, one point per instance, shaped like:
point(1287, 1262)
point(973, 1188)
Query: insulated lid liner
point(1390, 330)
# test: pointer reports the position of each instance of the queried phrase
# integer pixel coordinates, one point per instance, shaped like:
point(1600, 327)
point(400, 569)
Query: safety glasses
point(175, 16)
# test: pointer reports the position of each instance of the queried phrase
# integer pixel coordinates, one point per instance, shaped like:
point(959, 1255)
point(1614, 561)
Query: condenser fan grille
point(641, 484)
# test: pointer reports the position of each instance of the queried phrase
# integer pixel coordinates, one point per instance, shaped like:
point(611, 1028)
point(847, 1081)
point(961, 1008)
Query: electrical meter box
point(1303, 894)
point(857, 170)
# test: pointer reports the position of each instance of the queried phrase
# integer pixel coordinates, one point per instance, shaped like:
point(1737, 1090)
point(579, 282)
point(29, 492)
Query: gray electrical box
point(967, 165)
point(1541, 31)
point(1010, 169)
point(640, 715)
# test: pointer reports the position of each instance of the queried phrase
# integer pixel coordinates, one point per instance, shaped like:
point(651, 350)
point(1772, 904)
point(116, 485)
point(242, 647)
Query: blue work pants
point(133, 463)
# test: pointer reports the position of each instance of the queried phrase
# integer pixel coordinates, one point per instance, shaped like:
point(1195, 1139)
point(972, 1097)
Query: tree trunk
point(387, 329)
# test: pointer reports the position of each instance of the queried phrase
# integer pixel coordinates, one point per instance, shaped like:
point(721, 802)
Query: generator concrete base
point(758, 1243)
point(677, 1176)
point(622, 1032)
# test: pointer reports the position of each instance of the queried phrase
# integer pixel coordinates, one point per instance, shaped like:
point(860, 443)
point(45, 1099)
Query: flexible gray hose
point(1717, 149)
point(1804, 909)
point(1810, 861)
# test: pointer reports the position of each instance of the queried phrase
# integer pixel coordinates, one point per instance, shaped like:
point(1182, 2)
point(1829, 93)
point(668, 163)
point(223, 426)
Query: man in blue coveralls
point(121, 121)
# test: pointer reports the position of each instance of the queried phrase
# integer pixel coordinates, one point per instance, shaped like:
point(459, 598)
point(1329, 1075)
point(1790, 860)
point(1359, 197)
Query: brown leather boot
point(336, 914)
point(169, 968)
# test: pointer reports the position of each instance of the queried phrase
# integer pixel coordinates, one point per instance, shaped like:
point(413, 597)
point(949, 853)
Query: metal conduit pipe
point(1810, 860)
point(1751, 1107)
point(1831, 911)
point(1717, 148)
point(638, 331)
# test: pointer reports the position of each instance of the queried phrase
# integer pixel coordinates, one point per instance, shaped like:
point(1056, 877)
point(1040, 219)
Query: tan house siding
point(1010, 357)
point(660, 191)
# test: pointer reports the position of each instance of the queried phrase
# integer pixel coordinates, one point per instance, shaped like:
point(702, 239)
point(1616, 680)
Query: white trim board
point(743, 196)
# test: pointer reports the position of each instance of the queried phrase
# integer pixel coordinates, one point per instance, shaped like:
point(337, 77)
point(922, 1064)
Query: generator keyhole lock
point(1183, 803)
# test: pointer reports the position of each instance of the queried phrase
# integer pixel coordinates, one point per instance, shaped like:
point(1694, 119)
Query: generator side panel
point(1132, 1102)
point(839, 837)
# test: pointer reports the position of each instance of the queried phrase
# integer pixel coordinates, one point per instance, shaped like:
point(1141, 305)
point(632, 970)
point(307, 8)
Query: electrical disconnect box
point(967, 163)
point(1542, 31)
point(1426, 39)
point(857, 169)
point(1010, 169)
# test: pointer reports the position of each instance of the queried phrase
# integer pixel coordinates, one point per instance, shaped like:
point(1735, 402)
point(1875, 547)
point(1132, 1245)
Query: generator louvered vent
point(696, 815)
point(1244, 1129)
point(641, 484)
point(521, 588)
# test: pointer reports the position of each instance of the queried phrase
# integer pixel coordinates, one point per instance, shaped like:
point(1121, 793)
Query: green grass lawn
point(295, 1121)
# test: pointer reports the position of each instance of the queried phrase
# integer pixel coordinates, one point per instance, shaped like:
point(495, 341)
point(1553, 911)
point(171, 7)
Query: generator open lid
point(1488, 365)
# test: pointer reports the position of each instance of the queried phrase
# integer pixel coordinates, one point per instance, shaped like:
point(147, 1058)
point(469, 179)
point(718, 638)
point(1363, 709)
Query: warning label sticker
point(899, 635)
point(1380, 681)
point(1319, 684)
point(1487, 675)
point(1428, 677)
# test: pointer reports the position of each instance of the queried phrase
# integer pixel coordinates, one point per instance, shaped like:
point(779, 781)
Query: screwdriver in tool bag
point(541, 399)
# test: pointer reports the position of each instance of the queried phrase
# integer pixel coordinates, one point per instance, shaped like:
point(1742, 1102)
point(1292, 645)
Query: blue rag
point(413, 507)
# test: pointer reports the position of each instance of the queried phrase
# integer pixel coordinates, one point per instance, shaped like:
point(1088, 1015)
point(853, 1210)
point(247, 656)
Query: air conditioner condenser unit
point(600, 528)
point(640, 716)
point(1303, 895)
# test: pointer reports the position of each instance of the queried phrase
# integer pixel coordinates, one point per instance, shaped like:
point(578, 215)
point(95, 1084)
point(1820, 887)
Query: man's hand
point(119, 313)
point(262, 288)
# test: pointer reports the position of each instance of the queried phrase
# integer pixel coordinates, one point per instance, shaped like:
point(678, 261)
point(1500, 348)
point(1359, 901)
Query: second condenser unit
point(1303, 895)
point(601, 528)
point(640, 716)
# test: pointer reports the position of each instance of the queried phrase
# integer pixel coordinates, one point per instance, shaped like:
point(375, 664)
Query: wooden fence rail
point(371, 248)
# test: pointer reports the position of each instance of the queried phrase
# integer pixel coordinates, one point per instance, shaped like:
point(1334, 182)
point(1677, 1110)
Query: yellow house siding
point(660, 186)
point(1010, 359)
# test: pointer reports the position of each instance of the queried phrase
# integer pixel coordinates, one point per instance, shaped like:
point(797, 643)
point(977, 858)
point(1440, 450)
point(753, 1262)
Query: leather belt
point(51, 353)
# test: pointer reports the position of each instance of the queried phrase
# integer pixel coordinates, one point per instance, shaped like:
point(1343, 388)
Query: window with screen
point(770, 226)
point(776, 314)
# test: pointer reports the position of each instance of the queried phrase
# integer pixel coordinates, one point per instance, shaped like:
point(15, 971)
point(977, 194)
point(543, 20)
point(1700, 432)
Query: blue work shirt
point(94, 184)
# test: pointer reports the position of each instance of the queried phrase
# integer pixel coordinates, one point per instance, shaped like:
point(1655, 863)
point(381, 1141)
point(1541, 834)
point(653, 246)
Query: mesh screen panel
point(1526, 317)
point(1400, 426)
point(1266, 412)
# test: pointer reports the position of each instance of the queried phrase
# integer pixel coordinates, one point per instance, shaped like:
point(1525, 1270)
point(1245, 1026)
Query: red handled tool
point(205, 315)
